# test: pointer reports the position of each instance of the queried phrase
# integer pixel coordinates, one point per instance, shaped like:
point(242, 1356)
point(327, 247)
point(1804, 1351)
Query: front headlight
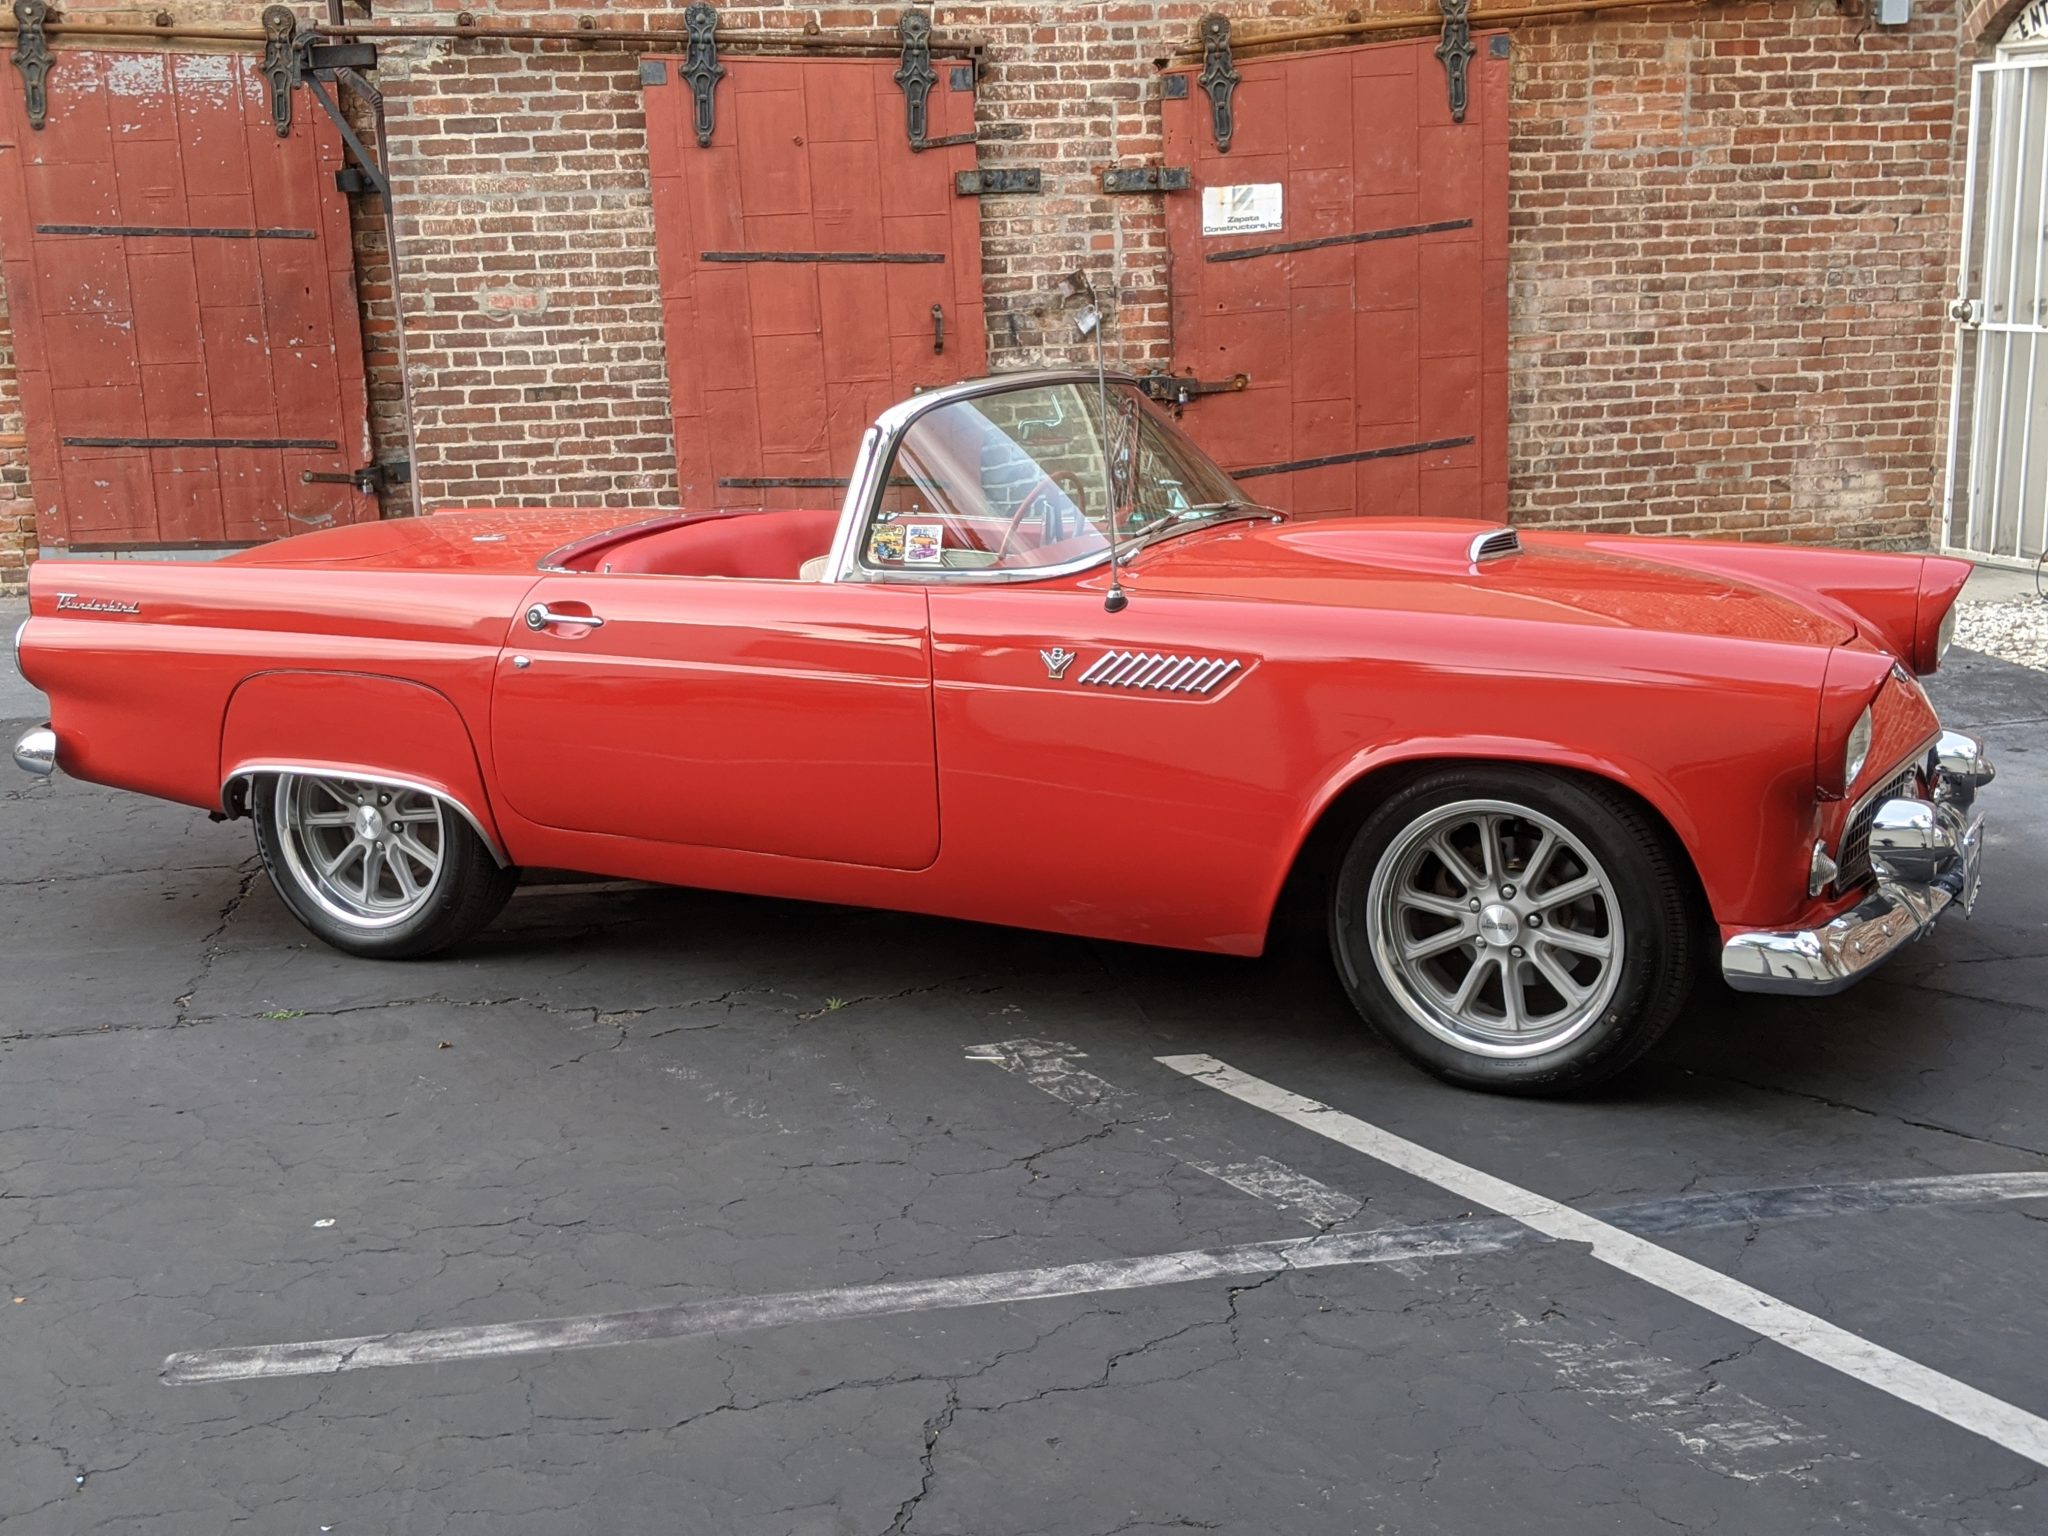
point(1945, 636)
point(1859, 749)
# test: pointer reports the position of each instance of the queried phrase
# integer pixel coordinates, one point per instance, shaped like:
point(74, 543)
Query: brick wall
point(17, 512)
point(1731, 240)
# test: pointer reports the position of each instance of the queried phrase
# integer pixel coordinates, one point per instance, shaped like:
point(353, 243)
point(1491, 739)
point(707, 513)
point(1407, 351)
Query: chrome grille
point(1852, 859)
point(1155, 672)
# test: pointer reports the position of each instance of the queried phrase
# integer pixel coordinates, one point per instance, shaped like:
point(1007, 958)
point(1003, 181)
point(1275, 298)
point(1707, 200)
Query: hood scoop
point(1495, 543)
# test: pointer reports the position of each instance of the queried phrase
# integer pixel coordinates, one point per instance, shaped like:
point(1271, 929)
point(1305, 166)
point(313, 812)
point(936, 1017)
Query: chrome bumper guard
point(1927, 856)
point(36, 752)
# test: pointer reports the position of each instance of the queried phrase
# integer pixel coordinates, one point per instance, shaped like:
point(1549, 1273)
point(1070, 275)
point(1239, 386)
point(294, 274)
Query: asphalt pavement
point(663, 1211)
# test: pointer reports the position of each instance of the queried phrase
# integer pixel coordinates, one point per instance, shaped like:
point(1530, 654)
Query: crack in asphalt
point(1831, 1102)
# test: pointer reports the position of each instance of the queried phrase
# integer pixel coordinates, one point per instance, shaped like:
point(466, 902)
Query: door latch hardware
point(369, 480)
point(1219, 77)
point(32, 58)
point(938, 327)
point(993, 182)
point(1968, 312)
point(1174, 389)
point(1147, 178)
point(540, 616)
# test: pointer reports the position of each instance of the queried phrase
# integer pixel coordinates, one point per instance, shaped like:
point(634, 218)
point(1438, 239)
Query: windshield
point(1030, 478)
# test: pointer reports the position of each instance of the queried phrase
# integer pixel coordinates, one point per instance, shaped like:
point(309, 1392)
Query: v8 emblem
point(1057, 660)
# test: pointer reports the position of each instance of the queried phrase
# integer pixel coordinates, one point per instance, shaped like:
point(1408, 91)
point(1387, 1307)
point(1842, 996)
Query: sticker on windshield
point(885, 544)
point(922, 543)
point(1248, 209)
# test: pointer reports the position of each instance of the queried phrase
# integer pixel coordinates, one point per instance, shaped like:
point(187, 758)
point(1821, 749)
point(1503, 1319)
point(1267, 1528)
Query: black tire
point(1619, 1018)
point(463, 895)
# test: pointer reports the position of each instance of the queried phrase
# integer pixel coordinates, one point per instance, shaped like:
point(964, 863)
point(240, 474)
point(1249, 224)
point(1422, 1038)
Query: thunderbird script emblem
point(1057, 660)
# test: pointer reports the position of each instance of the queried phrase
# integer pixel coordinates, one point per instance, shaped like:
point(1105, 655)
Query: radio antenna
point(1088, 321)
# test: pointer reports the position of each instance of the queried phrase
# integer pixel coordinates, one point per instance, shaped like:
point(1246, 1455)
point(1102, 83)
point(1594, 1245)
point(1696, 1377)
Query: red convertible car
point(1050, 666)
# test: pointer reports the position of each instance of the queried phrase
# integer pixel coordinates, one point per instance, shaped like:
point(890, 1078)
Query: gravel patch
point(2014, 629)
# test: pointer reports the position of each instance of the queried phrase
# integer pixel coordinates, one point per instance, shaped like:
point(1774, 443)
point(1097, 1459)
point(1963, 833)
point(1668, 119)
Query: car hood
point(1426, 566)
point(498, 539)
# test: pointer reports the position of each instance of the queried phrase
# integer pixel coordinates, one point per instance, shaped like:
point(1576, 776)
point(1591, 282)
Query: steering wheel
point(1047, 486)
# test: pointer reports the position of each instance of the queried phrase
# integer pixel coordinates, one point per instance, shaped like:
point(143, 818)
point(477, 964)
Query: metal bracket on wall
point(32, 58)
point(368, 481)
point(350, 178)
point(701, 70)
point(1455, 49)
point(1173, 389)
point(990, 183)
point(916, 75)
point(1147, 178)
point(280, 63)
point(1219, 78)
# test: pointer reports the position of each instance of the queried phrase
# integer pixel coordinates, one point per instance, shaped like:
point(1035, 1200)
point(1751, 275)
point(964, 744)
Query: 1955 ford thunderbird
point(1049, 666)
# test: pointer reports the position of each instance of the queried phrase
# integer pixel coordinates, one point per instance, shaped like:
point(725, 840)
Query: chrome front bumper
point(1927, 856)
point(36, 752)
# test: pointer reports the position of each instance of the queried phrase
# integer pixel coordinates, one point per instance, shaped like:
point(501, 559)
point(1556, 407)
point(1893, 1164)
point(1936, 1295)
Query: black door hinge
point(369, 480)
point(1147, 178)
point(1174, 389)
point(281, 63)
point(1219, 78)
point(916, 75)
point(700, 69)
point(1455, 49)
point(32, 58)
point(993, 182)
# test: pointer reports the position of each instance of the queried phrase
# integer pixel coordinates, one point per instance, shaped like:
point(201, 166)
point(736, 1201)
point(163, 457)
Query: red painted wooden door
point(183, 303)
point(1366, 298)
point(815, 269)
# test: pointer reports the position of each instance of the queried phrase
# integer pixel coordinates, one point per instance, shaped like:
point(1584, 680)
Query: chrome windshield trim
point(878, 450)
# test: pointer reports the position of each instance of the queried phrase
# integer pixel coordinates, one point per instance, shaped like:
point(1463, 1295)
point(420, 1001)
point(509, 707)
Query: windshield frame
point(878, 452)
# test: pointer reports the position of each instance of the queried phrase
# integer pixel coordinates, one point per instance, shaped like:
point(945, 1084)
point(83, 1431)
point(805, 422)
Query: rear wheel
point(1513, 929)
point(381, 870)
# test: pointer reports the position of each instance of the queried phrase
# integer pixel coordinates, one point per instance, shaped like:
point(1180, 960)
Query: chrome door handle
point(540, 616)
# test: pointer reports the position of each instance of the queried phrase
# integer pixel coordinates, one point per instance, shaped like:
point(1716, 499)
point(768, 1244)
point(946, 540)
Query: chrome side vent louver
point(1156, 673)
point(1495, 543)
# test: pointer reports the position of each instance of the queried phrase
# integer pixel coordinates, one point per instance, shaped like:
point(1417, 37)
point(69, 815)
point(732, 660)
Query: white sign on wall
point(1249, 209)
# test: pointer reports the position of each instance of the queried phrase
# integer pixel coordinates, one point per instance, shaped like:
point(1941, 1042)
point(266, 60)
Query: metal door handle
point(540, 616)
point(938, 328)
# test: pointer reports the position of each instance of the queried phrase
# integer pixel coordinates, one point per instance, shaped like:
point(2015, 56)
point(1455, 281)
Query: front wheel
point(381, 870)
point(1513, 929)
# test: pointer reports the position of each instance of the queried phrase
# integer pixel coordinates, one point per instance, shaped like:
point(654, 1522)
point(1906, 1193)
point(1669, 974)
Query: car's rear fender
point(351, 724)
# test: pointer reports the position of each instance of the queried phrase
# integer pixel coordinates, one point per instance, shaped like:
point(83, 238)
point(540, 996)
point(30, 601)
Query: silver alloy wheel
point(1495, 928)
point(370, 854)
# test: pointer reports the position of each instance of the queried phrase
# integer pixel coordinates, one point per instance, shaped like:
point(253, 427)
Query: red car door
point(778, 717)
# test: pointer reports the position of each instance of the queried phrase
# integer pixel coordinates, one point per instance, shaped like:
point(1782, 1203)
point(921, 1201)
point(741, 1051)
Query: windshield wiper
point(1205, 514)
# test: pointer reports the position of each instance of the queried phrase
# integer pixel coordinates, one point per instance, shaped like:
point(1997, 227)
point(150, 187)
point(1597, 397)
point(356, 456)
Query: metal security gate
point(819, 238)
point(1995, 501)
point(181, 288)
point(1338, 255)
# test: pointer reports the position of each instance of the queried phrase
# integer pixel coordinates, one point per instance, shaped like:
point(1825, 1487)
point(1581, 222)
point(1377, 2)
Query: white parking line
point(1331, 1250)
point(1911, 1382)
point(1048, 1065)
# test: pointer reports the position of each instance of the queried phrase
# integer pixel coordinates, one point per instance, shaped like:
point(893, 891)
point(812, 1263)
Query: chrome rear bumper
point(1927, 856)
point(36, 752)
